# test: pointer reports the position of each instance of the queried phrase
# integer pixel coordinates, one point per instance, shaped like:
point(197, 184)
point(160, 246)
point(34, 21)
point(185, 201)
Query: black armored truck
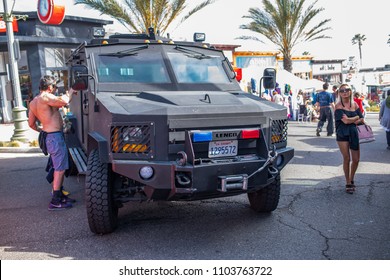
point(156, 119)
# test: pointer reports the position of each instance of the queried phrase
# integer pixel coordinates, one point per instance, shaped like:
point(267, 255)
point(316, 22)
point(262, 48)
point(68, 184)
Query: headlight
point(131, 139)
point(132, 134)
point(146, 172)
point(279, 160)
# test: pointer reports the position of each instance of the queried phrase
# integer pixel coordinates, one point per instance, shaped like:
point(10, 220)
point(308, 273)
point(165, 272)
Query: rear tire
point(266, 199)
point(102, 212)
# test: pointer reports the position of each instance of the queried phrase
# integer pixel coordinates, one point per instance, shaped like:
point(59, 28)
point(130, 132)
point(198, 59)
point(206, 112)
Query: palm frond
point(138, 16)
point(286, 23)
point(249, 38)
point(175, 9)
point(111, 8)
point(197, 8)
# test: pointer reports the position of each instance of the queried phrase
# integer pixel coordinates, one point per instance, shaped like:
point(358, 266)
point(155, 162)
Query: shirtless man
point(45, 108)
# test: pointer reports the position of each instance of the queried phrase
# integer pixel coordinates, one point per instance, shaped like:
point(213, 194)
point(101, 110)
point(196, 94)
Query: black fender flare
point(97, 141)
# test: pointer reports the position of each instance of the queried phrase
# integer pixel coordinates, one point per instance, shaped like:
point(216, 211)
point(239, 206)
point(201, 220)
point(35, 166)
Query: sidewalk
point(7, 131)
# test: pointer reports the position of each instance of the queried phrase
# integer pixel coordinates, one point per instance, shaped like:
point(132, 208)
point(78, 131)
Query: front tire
point(266, 199)
point(102, 212)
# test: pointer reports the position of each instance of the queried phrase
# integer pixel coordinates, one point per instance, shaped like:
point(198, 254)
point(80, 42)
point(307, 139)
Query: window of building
point(55, 60)
point(56, 57)
point(24, 76)
point(22, 62)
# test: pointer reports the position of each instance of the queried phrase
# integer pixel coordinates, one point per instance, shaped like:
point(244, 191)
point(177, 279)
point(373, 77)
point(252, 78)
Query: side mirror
point(269, 78)
point(79, 77)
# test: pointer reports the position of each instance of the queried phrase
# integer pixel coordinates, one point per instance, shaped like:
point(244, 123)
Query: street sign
point(3, 28)
point(50, 13)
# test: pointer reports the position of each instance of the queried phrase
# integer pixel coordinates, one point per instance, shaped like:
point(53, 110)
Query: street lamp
point(19, 111)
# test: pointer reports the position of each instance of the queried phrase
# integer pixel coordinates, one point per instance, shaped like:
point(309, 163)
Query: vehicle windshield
point(144, 67)
point(192, 68)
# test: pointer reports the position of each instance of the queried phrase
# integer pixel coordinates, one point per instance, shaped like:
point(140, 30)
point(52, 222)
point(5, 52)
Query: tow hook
point(272, 155)
point(182, 179)
point(240, 182)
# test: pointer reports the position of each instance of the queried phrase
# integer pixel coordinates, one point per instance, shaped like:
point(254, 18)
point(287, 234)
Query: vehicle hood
point(187, 105)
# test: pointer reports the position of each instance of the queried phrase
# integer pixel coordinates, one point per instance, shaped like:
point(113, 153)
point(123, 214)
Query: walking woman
point(347, 116)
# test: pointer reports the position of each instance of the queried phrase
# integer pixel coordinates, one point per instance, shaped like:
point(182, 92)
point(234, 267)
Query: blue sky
point(221, 22)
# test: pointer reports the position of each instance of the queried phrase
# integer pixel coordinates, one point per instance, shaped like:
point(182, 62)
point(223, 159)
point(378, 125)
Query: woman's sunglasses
point(344, 90)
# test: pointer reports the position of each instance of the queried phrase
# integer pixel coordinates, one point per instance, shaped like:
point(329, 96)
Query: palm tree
point(138, 15)
point(286, 24)
point(358, 39)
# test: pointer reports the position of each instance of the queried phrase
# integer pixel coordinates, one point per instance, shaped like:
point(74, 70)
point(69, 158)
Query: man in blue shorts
point(325, 100)
point(45, 108)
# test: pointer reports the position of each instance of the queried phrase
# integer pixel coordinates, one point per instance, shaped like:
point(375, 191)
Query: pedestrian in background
point(45, 108)
point(277, 98)
point(384, 117)
point(357, 97)
point(347, 116)
point(325, 101)
point(277, 89)
point(335, 94)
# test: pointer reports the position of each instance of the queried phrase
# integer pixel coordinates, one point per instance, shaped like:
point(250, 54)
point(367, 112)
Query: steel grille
point(279, 131)
point(133, 139)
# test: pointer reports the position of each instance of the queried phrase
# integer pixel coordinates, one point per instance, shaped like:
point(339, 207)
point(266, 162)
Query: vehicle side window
point(145, 68)
point(189, 69)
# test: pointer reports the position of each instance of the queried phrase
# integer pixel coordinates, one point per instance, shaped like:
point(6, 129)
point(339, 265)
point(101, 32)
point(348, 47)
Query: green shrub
point(374, 108)
point(34, 143)
point(14, 144)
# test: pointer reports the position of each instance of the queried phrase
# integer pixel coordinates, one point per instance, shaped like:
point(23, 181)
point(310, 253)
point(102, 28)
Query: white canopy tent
point(283, 77)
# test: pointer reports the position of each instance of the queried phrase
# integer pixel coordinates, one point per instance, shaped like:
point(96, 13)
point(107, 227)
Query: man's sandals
point(350, 188)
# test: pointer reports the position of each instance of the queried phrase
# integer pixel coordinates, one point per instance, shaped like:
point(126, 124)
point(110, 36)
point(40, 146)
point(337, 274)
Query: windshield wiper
point(128, 52)
point(192, 53)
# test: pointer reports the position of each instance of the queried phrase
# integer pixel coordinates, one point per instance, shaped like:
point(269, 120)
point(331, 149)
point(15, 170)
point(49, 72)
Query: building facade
point(330, 71)
point(304, 67)
point(44, 50)
point(374, 80)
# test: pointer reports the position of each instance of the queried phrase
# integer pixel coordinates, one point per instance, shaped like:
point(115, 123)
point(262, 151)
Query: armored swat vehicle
point(161, 120)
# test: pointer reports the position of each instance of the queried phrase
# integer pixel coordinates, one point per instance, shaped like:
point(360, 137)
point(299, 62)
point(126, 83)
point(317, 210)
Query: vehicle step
point(79, 158)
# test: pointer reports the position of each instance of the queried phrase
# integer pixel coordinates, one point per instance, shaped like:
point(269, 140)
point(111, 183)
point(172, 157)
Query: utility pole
point(19, 111)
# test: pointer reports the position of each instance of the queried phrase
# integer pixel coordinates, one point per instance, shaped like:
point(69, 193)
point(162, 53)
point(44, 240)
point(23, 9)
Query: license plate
point(223, 148)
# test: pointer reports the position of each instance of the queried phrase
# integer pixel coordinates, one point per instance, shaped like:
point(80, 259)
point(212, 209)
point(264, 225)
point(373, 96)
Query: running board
point(80, 159)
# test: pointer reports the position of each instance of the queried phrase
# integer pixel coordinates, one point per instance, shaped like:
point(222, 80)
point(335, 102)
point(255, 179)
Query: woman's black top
point(347, 132)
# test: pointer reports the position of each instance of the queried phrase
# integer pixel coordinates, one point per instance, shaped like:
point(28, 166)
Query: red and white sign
point(50, 13)
point(3, 27)
point(238, 73)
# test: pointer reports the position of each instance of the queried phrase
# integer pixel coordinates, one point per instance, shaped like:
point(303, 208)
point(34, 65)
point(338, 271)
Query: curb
point(20, 150)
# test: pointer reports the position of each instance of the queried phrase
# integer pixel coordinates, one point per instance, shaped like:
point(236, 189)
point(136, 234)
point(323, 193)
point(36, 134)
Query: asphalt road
point(315, 219)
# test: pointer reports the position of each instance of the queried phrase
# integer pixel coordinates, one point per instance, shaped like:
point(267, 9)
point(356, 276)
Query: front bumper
point(172, 181)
